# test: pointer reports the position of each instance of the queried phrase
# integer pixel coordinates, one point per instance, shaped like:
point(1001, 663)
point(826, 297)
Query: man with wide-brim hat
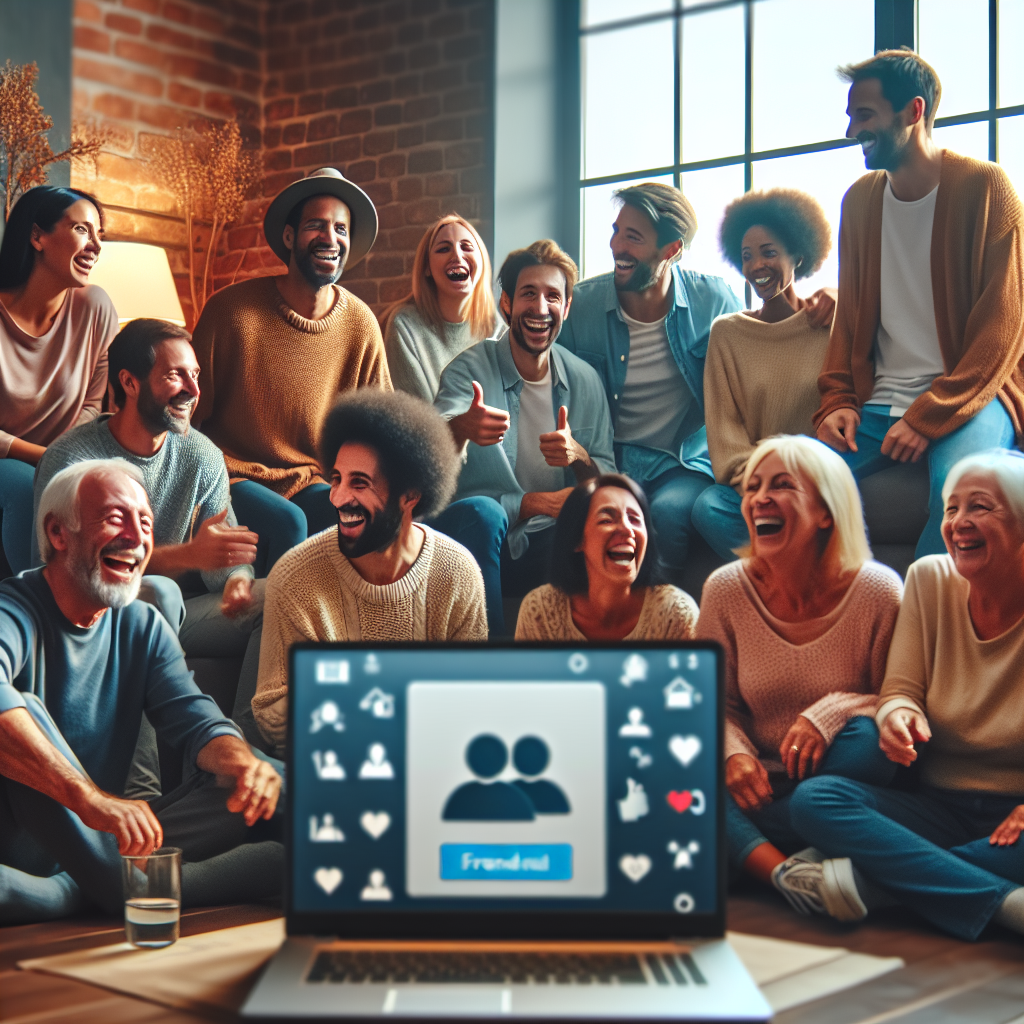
point(275, 353)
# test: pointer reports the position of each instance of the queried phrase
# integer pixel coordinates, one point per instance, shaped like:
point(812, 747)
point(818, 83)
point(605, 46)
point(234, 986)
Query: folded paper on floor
point(215, 971)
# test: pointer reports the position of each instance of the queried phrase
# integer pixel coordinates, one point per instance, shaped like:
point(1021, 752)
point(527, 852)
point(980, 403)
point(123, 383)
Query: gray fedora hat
point(325, 181)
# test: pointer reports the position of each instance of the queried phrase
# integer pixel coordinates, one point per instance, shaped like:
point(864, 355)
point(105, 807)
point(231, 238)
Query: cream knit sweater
point(760, 379)
point(314, 593)
point(769, 680)
point(668, 614)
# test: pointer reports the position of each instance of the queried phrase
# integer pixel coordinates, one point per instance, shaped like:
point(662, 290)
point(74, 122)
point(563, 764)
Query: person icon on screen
point(326, 831)
point(375, 888)
point(328, 767)
point(376, 765)
point(635, 725)
point(531, 757)
point(486, 757)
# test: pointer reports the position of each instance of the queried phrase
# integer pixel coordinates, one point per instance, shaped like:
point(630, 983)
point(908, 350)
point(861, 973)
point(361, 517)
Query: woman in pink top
point(55, 330)
point(805, 618)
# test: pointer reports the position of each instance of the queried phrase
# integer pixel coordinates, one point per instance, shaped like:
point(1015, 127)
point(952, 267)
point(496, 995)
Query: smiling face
point(69, 251)
point(639, 261)
point(454, 262)
point(614, 536)
point(167, 398)
point(782, 509)
point(537, 309)
point(979, 527)
point(767, 266)
point(321, 244)
point(881, 132)
point(369, 517)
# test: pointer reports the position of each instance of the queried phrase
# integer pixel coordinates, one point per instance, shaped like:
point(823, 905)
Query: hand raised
point(559, 447)
point(747, 781)
point(902, 443)
point(131, 822)
point(482, 424)
point(901, 730)
point(839, 430)
point(803, 748)
point(217, 545)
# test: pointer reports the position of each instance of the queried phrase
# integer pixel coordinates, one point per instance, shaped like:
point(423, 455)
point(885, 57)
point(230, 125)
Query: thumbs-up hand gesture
point(218, 545)
point(559, 447)
point(482, 424)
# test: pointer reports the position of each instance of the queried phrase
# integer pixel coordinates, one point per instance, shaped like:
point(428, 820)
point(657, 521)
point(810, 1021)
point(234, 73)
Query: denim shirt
point(491, 470)
point(596, 333)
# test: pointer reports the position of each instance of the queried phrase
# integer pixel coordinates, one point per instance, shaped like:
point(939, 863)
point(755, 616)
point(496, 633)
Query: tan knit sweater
point(978, 287)
point(269, 377)
point(668, 614)
point(769, 681)
point(970, 690)
point(314, 593)
point(760, 379)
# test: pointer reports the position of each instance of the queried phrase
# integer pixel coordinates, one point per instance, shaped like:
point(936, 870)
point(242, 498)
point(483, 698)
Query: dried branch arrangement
point(25, 150)
point(211, 175)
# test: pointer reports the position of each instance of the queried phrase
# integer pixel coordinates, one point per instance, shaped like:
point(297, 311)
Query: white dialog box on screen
point(505, 789)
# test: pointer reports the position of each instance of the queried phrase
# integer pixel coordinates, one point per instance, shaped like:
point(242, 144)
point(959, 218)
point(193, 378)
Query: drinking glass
point(152, 897)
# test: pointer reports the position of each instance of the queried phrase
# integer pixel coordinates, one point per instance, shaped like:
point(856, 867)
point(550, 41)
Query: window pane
point(713, 84)
point(600, 12)
point(710, 192)
point(1011, 67)
point(628, 111)
point(968, 139)
point(1011, 150)
point(826, 176)
point(953, 38)
point(798, 98)
point(599, 211)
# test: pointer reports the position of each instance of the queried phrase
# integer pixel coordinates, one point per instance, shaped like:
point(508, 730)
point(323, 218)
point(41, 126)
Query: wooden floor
point(944, 982)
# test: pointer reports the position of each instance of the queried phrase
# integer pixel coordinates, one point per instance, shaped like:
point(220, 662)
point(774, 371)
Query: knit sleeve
point(404, 364)
point(906, 669)
point(728, 442)
point(373, 369)
point(469, 610)
point(538, 616)
point(673, 616)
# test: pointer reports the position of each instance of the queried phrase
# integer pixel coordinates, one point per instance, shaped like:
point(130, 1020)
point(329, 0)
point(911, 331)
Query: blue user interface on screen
point(514, 779)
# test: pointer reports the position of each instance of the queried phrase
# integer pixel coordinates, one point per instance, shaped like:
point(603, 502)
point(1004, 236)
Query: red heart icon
point(679, 802)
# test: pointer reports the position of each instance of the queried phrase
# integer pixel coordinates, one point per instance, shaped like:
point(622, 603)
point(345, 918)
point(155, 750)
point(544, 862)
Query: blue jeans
point(672, 496)
point(16, 512)
point(854, 753)
point(718, 518)
point(990, 428)
point(479, 525)
point(928, 848)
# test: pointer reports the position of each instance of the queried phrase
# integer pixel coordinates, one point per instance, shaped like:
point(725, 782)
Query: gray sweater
point(186, 480)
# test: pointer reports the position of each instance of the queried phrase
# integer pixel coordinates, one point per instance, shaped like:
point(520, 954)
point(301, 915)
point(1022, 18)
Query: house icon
point(680, 695)
point(378, 703)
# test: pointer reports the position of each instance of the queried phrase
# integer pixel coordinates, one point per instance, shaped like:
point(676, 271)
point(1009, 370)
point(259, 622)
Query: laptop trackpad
point(439, 999)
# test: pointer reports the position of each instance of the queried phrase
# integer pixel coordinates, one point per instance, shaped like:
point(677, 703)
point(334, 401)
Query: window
point(721, 97)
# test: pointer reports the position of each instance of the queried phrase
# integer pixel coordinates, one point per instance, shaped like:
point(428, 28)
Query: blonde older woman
point(805, 618)
point(951, 850)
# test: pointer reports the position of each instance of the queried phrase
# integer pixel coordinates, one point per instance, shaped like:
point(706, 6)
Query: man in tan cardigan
point(276, 352)
point(926, 347)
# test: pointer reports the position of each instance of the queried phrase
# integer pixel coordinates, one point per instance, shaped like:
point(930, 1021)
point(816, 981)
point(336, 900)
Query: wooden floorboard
point(944, 982)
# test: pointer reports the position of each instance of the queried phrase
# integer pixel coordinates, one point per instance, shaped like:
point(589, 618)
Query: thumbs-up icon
point(634, 804)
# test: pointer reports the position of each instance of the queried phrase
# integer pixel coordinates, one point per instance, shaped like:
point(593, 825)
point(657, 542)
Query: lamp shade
point(138, 280)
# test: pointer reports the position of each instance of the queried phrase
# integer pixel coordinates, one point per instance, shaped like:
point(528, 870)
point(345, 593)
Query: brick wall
point(394, 93)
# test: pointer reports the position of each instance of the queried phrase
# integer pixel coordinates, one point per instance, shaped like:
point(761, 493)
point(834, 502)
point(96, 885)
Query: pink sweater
point(770, 680)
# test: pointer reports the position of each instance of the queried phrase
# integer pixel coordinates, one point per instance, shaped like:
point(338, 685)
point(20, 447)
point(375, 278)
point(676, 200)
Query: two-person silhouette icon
point(521, 800)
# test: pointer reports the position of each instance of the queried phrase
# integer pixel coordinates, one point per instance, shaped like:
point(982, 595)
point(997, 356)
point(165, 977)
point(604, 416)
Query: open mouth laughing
point(84, 262)
point(457, 275)
point(326, 257)
point(622, 554)
point(536, 328)
point(352, 519)
point(768, 526)
point(867, 142)
point(625, 264)
point(123, 564)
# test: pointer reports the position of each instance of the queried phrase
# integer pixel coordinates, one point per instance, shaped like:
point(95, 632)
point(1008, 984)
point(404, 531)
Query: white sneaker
point(799, 879)
point(839, 890)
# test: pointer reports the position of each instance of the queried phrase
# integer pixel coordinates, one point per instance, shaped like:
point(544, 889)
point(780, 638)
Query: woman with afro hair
point(762, 365)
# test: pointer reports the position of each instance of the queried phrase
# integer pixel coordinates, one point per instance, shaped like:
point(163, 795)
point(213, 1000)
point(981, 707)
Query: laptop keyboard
point(357, 967)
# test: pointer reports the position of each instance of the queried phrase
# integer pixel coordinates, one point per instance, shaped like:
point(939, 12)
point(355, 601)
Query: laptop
point(506, 831)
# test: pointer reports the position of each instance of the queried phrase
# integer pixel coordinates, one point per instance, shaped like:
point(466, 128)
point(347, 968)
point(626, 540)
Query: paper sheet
point(214, 972)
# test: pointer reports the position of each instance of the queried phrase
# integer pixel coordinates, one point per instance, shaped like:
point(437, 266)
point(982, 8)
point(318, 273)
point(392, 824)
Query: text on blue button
point(546, 862)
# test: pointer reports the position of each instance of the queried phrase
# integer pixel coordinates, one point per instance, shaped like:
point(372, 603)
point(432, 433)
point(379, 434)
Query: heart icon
point(328, 879)
point(679, 801)
point(634, 868)
point(375, 824)
point(684, 749)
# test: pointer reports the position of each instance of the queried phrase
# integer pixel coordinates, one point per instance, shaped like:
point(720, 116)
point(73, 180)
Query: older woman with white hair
point(805, 617)
point(951, 850)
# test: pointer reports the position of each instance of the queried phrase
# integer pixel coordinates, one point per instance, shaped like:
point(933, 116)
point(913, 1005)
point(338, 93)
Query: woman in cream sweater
point(805, 619)
point(762, 368)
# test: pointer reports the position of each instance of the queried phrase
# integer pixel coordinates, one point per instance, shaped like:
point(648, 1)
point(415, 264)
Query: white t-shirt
point(656, 398)
point(907, 353)
point(536, 417)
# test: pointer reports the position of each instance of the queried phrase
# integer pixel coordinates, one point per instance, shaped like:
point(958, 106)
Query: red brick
point(390, 113)
point(91, 39)
point(243, 238)
point(392, 291)
point(221, 103)
point(311, 103)
point(406, 86)
point(313, 156)
point(236, 56)
point(160, 116)
point(425, 161)
point(379, 192)
point(294, 133)
point(322, 128)
point(385, 266)
point(422, 212)
point(377, 143)
point(355, 122)
point(250, 83)
point(375, 92)
point(209, 23)
point(442, 78)
point(271, 137)
point(347, 96)
point(447, 129)
point(204, 71)
point(365, 290)
point(463, 154)
point(424, 57)
point(422, 109)
point(470, 98)
point(345, 150)
point(141, 53)
point(406, 238)
point(85, 10)
point(410, 189)
point(111, 74)
point(391, 166)
point(410, 137)
point(278, 110)
point(147, 6)
point(273, 183)
point(178, 12)
point(389, 217)
point(362, 172)
point(462, 48)
point(112, 105)
point(279, 160)
point(124, 23)
point(449, 25)
point(443, 184)
point(157, 33)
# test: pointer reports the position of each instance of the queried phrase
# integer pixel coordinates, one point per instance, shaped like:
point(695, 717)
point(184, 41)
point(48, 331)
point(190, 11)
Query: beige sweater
point(971, 690)
point(770, 680)
point(760, 379)
point(668, 614)
point(314, 593)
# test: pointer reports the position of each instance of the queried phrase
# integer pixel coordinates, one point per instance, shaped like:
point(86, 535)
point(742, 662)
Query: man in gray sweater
point(154, 377)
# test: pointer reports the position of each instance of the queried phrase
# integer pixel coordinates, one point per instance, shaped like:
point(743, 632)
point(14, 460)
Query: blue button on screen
point(482, 862)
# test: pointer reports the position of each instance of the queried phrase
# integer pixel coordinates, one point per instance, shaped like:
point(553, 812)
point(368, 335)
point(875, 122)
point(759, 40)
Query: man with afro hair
point(380, 574)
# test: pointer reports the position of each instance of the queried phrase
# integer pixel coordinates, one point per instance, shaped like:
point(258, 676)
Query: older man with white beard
point(80, 661)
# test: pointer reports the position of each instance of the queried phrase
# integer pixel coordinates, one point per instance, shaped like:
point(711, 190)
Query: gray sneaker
point(799, 879)
point(839, 890)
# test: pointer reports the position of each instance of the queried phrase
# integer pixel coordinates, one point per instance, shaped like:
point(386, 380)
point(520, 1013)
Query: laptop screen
point(526, 789)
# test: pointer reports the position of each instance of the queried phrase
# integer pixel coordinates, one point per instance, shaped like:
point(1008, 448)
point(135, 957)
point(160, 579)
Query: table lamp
point(138, 280)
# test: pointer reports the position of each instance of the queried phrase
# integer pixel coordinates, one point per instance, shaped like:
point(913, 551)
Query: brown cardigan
point(978, 286)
